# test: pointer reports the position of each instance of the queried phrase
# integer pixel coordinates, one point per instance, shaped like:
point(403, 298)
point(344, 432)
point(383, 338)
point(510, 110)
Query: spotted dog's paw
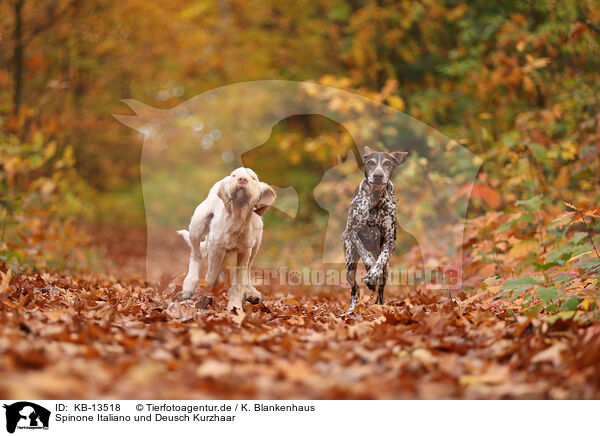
point(372, 277)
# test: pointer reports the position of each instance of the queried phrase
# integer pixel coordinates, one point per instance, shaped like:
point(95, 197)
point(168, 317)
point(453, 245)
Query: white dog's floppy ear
point(267, 198)
point(223, 192)
point(399, 156)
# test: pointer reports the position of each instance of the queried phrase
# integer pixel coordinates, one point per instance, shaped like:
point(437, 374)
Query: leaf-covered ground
point(93, 337)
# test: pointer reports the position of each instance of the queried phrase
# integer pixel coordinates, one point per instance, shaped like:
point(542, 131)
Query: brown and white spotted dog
point(370, 232)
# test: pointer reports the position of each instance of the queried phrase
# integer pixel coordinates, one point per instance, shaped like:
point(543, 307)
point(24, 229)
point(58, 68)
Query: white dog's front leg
point(215, 261)
point(241, 289)
point(193, 276)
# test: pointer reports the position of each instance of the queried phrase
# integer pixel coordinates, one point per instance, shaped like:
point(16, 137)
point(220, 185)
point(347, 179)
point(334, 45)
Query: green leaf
point(539, 152)
point(561, 315)
point(571, 303)
point(524, 282)
point(547, 293)
point(510, 139)
point(339, 13)
point(559, 255)
point(505, 226)
point(592, 266)
point(500, 295)
point(562, 278)
point(526, 217)
point(534, 310)
point(545, 266)
point(580, 249)
point(578, 237)
point(527, 300)
point(531, 204)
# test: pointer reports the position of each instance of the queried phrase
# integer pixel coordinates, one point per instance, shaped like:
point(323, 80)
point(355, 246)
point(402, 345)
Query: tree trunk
point(18, 77)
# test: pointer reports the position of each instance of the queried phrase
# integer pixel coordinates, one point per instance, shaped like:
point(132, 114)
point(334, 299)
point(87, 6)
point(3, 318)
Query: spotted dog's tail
point(186, 236)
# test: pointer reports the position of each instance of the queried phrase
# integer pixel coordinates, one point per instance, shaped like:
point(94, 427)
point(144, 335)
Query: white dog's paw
point(253, 296)
point(240, 293)
point(188, 290)
point(235, 297)
point(186, 295)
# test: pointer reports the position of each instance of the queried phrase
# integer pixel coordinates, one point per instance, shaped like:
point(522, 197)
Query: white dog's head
point(242, 188)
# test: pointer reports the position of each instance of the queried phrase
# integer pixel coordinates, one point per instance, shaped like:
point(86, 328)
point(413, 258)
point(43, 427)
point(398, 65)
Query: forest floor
point(95, 335)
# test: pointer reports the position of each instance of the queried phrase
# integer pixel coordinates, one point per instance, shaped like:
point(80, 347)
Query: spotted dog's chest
point(376, 216)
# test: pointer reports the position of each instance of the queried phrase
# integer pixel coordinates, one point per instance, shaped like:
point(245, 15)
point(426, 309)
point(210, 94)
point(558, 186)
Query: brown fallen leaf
point(551, 354)
point(493, 376)
point(213, 368)
point(364, 327)
point(237, 316)
point(5, 280)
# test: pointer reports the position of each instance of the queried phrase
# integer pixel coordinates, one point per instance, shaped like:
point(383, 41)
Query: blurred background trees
point(515, 82)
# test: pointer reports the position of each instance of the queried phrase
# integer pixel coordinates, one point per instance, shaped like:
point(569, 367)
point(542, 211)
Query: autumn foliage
point(515, 83)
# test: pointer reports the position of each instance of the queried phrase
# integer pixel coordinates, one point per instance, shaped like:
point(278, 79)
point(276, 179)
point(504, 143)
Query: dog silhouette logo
point(26, 415)
point(263, 125)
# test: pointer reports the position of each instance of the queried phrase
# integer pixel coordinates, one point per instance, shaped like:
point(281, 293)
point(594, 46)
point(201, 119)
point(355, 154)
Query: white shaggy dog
point(229, 220)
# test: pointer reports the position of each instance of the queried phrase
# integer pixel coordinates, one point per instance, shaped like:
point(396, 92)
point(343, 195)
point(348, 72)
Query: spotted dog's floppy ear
point(399, 156)
point(267, 198)
point(367, 152)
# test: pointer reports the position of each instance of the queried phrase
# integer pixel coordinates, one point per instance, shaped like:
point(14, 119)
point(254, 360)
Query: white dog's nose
point(242, 180)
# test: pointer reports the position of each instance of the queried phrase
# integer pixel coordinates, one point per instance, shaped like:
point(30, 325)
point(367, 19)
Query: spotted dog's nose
point(377, 178)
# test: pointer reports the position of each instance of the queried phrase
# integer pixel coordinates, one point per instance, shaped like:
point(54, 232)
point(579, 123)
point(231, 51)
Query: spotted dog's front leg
point(357, 221)
point(355, 249)
point(374, 275)
point(359, 247)
point(377, 275)
point(351, 265)
point(381, 286)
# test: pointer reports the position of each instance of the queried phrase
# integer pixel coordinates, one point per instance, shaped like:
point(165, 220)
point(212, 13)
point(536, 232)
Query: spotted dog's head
point(379, 165)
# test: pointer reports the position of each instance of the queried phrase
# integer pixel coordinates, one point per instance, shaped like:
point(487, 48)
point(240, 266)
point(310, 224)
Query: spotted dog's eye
point(371, 163)
point(387, 164)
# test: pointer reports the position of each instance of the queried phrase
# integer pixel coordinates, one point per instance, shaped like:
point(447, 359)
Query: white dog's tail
point(186, 236)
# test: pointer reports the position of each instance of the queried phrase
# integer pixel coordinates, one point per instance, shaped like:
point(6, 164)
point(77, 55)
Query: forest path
point(93, 336)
